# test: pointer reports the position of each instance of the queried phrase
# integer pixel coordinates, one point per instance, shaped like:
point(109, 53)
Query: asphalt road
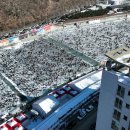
point(86, 122)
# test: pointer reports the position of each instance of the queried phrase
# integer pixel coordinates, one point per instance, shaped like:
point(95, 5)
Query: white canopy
point(86, 81)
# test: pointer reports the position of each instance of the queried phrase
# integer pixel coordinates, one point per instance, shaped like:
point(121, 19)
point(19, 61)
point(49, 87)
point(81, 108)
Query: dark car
point(93, 126)
point(71, 124)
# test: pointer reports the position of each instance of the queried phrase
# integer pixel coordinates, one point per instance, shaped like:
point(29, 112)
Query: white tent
point(45, 105)
point(86, 81)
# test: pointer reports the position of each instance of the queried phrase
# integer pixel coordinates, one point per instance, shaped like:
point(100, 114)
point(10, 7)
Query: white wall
point(106, 100)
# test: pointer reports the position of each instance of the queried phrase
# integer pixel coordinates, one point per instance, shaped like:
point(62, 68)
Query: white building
point(114, 100)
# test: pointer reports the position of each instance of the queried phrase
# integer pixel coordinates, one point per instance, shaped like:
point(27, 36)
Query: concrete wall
point(106, 100)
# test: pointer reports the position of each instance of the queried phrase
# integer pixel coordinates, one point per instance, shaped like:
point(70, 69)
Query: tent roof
point(47, 103)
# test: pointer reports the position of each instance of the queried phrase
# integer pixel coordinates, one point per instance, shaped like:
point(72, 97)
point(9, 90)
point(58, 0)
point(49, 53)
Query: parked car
point(90, 108)
point(79, 117)
point(71, 124)
point(82, 114)
point(92, 127)
point(95, 103)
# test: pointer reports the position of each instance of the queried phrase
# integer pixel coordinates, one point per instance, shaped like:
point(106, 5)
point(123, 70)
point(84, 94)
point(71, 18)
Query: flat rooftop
point(120, 55)
point(72, 102)
point(68, 98)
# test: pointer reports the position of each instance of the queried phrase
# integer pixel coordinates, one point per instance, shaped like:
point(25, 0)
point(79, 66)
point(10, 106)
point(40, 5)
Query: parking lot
point(87, 118)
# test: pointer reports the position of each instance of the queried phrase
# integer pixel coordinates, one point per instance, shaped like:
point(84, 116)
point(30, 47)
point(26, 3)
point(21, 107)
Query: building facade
point(114, 100)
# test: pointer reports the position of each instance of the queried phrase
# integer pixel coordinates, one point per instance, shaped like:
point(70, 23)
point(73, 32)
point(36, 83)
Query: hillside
point(17, 13)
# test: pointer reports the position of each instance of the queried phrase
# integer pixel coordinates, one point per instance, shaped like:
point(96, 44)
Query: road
point(86, 122)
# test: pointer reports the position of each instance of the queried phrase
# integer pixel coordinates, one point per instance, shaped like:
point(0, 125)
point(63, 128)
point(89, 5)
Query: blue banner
point(40, 31)
point(14, 38)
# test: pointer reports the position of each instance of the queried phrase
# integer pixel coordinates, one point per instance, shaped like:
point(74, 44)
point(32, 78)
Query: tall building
point(114, 99)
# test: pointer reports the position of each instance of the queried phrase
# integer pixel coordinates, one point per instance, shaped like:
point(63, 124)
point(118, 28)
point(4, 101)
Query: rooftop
point(65, 99)
point(120, 55)
point(67, 106)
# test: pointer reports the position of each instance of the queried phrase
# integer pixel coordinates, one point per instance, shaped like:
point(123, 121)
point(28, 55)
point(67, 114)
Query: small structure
point(120, 55)
point(85, 81)
point(119, 58)
point(21, 117)
point(45, 105)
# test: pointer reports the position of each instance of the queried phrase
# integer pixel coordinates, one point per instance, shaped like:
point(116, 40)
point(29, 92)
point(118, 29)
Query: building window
point(122, 128)
point(129, 93)
point(120, 91)
point(127, 106)
point(125, 117)
point(118, 103)
point(114, 126)
point(116, 115)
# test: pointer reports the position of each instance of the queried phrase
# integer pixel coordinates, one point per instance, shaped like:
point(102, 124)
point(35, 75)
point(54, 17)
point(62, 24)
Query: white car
point(79, 117)
point(90, 108)
point(82, 112)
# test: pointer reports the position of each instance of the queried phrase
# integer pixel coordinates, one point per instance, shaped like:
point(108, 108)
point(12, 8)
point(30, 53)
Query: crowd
point(8, 99)
point(95, 40)
point(38, 65)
